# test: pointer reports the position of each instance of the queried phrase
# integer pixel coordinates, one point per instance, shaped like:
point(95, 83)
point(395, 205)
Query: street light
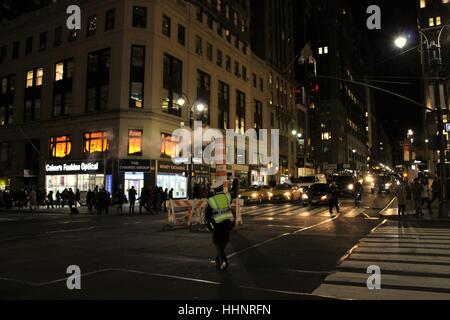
point(401, 42)
point(196, 107)
point(294, 132)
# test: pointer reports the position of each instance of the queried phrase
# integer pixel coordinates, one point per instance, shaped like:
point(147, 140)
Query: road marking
point(70, 230)
point(281, 236)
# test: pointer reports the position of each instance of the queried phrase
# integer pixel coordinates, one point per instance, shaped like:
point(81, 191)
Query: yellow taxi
point(255, 194)
point(285, 193)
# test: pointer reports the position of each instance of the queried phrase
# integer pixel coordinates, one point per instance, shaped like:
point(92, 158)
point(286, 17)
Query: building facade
point(433, 21)
point(97, 106)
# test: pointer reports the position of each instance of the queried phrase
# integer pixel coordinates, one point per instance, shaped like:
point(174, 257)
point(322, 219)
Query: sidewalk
point(391, 213)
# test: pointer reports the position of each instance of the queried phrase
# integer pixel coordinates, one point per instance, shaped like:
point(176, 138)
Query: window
point(240, 112)
point(423, 4)
point(73, 35)
point(431, 22)
point(172, 85)
point(261, 84)
point(16, 49)
point(321, 50)
point(139, 17)
point(198, 45)
point(219, 5)
point(210, 22)
point(6, 100)
point(62, 88)
point(255, 80)
point(228, 63)
point(166, 26)
point(137, 74)
point(2, 53)
point(135, 142)
point(96, 142)
point(209, 51)
point(97, 80)
point(34, 77)
point(169, 146)
point(4, 151)
point(219, 58)
point(326, 136)
point(237, 69)
point(204, 95)
point(438, 21)
point(199, 14)
point(92, 26)
point(325, 50)
point(60, 147)
point(58, 37)
point(110, 19)
point(28, 46)
point(244, 73)
point(33, 92)
point(42, 41)
point(224, 105)
point(258, 115)
point(181, 35)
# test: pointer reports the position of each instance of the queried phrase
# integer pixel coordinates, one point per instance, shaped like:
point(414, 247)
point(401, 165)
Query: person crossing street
point(220, 220)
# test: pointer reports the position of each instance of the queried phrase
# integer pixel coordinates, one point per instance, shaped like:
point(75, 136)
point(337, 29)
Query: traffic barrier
point(196, 212)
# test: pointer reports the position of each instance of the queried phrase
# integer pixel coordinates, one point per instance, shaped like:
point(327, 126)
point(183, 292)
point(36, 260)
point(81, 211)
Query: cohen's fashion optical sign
point(73, 167)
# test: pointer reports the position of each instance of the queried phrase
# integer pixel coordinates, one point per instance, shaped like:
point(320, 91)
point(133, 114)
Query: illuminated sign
point(74, 167)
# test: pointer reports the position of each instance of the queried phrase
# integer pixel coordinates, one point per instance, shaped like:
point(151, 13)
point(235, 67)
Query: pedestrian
point(143, 199)
point(171, 194)
point(64, 197)
point(160, 198)
point(417, 192)
point(132, 199)
point(90, 200)
point(33, 200)
point(196, 191)
point(401, 194)
point(220, 221)
point(333, 198)
point(70, 199)
point(50, 200)
point(58, 199)
point(436, 190)
point(165, 198)
point(426, 195)
point(358, 193)
point(235, 188)
point(77, 198)
point(120, 199)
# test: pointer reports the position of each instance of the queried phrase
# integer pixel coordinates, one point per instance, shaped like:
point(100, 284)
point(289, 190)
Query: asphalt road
point(283, 251)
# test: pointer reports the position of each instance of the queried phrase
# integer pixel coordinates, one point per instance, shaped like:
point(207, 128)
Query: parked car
point(285, 193)
point(317, 195)
point(255, 194)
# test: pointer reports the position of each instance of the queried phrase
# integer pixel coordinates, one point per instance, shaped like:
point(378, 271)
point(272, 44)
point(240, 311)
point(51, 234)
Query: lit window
point(438, 21)
point(169, 146)
point(30, 76)
point(445, 1)
point(423, 4)
point(325, 50)
point(326, 136)
point(95, 142)
point(320, 50)
point(59, 71)
point(39, 76)
point(431, 22)
point(60, 147)
point(135, 142)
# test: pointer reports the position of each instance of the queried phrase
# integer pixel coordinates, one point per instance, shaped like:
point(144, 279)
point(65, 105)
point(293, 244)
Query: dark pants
point(131, 207)
point(334, 203)
point(428, 204)
point(221, 237)
point(401, 209)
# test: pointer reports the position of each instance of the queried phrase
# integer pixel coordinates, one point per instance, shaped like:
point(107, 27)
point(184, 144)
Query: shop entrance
point(134, 179)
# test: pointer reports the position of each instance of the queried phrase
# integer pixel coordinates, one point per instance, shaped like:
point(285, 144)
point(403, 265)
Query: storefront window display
point(177, 182)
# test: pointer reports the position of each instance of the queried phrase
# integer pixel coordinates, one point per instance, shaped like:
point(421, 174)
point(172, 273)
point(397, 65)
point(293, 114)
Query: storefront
point(201, 174)
point(135, 173)
point(82, 175)
point(170, 175)
point(5, 183)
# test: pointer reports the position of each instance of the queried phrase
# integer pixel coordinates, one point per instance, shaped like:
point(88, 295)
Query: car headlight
point(239, 196)
point(351, 187)
point(387, 185)
point(254, 195)
point(305, 197)
point(270, 194)
point(302, 190)
point(324, 198)
point(287, 194)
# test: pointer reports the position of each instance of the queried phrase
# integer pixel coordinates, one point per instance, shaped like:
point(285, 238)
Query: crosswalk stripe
point(352, 214)
point(387, 266)
point(401, 257)
point(414, 241)
point(313, 212)
point(382, 249)
point(404, 245)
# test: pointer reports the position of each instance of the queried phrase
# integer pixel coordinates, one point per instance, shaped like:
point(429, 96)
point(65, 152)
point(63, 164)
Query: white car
point(305, 182)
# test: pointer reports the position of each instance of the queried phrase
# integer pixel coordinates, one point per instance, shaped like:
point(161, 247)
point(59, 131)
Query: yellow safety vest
point(221, 205)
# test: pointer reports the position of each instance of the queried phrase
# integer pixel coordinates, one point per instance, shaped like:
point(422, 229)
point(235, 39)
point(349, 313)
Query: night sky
point(389, 64)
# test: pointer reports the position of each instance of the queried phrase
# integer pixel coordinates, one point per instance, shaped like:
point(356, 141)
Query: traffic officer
point(220, 221)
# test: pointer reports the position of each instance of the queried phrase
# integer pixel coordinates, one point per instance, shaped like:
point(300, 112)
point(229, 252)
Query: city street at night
point(282, 251)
